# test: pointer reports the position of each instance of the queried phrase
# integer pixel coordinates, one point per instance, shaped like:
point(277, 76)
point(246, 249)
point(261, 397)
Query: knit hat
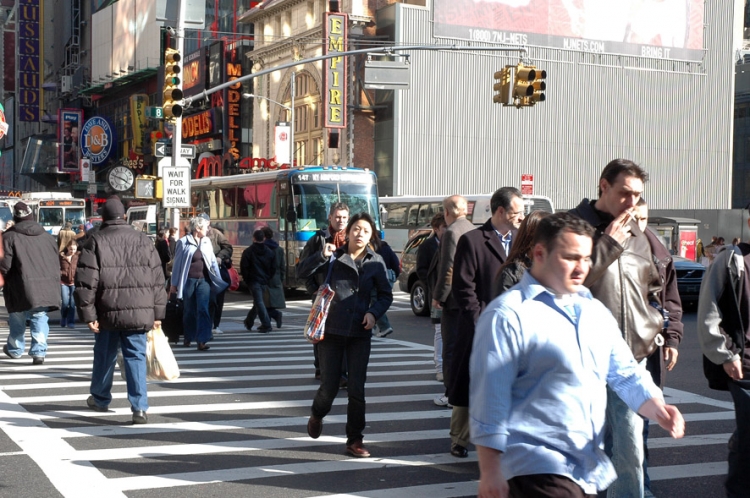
point(22, 212)
point(113, 209)
point(205, 217)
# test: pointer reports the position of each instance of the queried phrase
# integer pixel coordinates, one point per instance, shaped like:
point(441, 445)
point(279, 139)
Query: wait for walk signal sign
point(176, 187)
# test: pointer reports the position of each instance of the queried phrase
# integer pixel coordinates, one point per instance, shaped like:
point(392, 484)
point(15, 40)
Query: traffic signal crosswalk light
point(172, 88)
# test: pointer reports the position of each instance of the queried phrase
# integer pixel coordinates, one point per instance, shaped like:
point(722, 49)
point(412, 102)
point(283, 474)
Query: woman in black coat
point(357, 274)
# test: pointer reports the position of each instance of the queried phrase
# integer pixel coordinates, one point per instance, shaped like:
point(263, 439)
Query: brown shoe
point(357, 449)
point(314, 427)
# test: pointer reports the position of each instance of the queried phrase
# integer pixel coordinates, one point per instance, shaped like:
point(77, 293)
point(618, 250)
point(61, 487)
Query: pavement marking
point(702, 440)
point(34, 438)
point(687, 471)
point(233, 425)
point(266, 389)
point(317, 467)
point(675, 396)
point(442, 490)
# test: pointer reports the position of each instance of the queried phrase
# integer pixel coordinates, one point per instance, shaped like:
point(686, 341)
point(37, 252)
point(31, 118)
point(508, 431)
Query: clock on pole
point(120, 178)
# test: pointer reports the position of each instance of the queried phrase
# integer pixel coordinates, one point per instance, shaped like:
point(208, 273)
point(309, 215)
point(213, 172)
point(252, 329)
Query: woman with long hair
point(519, 259)
point(195, 279)
point(362, 295)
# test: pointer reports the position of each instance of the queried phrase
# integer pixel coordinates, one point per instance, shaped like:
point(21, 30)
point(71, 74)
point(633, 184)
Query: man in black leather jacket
point(624, 278)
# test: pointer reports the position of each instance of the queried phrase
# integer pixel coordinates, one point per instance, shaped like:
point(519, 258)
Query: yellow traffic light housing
point(148, 187)
point(528, 85)
point(172, 85)
point(540, 86)
point(502, 86)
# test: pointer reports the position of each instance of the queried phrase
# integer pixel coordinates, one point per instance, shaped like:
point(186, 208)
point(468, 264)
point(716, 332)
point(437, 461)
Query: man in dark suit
point(479, 256)
point(455, 208)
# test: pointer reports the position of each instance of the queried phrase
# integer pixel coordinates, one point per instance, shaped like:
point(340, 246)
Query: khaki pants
point(460, 426)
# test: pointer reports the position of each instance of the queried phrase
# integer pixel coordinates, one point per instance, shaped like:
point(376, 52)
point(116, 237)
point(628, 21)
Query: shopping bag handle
point(330, 269)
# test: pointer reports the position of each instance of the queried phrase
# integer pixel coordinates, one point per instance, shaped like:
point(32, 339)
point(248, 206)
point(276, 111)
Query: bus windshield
point(75, 216)
point(5, 214)
point(50, 216)
point(314, 201)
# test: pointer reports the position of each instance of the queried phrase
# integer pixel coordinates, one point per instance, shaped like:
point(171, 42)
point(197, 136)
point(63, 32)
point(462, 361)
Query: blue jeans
point(68, 306)
point(738, 477)
point(331, 352)
point(257, 290)
point(623, 444)
point(39, 324)
point(196, 318)
point(133, 345)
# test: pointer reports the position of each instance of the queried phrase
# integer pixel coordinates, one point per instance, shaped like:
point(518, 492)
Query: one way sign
point(164, 149)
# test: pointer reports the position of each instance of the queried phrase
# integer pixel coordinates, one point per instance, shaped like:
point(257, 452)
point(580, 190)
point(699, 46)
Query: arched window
point(308, 119)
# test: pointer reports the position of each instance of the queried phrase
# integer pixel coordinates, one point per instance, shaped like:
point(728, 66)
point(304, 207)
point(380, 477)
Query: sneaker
point(217, 330)
point(384, 333)
point(9, 354)
point(37, 360)
point(439, 376)
point(358, 450)
point(442, 401)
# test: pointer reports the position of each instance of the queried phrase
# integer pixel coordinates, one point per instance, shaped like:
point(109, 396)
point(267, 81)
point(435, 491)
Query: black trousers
point(545, 486)
point(216, 307)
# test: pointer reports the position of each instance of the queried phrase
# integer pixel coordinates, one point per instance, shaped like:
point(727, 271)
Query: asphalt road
point(234, 423)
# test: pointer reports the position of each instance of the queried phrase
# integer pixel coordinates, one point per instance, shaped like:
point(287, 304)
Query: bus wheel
point(419, 304)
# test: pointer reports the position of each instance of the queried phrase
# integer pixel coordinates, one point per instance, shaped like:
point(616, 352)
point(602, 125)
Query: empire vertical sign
point(334, 97)
point(30, 43)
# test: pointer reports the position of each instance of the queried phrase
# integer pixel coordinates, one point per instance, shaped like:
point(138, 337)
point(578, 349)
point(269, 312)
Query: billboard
point(30, 57)
point(194, 73)
point(663, 29)
point(68, 135)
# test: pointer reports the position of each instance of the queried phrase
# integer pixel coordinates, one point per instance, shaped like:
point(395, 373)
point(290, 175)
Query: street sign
point(527, 184)
point(167, 161)
point(164, 149)
point(176, 187)
point(91, 188)
point(154, 112)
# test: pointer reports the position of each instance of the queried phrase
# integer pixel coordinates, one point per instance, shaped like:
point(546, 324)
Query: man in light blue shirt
point(542, 357)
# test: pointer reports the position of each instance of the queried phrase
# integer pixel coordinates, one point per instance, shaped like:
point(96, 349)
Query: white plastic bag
point(160, 361)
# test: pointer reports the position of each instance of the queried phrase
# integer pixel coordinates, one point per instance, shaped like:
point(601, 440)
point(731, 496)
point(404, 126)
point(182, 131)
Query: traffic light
point(172, 87)
point(539, 86)
point(502, 86)
point(148, 187)
point(156, 136)
point(523, 84)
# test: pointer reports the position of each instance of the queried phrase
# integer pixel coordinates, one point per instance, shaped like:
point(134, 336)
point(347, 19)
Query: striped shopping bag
point(316, 320)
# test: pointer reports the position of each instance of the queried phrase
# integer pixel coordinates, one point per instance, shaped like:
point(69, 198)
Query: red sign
point(527, 184)
point(687, 244)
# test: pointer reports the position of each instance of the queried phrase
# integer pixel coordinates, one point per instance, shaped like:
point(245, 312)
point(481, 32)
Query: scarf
point(338, 238)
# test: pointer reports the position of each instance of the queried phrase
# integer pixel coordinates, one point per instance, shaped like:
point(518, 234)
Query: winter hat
point(205, 217)
point(113, 209)
point(22, 212)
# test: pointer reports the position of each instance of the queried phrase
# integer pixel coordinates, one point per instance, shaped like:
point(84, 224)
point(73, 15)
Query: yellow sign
point(138, 103)
point(335, 73)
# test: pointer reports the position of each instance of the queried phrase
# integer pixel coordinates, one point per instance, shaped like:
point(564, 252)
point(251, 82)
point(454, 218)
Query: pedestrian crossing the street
point(234, 424)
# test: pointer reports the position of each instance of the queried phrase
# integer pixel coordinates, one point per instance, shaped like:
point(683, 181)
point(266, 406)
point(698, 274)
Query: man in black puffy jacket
point(120, 295)
point(31, 268)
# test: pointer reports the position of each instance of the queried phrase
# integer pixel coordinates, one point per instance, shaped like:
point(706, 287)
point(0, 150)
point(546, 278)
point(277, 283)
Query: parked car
point(408, 281)
point(689, 278)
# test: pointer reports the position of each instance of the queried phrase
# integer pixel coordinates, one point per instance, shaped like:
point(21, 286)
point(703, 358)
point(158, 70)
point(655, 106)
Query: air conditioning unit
point(66, 84)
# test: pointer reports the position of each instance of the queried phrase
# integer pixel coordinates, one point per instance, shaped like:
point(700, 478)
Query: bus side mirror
point(291, 215)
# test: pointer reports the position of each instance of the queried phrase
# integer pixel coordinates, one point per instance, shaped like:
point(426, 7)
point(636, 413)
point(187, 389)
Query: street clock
point(120, 178)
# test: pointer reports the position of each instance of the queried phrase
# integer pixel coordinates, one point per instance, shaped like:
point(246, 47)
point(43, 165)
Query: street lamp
point(291, 114)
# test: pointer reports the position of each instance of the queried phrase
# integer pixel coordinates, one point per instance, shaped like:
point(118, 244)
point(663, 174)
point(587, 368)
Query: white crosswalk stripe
point(238, 413)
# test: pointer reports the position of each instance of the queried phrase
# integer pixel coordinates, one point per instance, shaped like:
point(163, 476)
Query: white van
point(143, 218)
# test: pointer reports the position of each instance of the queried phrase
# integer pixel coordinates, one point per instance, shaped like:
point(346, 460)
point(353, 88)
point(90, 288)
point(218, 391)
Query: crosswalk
point(234, 424)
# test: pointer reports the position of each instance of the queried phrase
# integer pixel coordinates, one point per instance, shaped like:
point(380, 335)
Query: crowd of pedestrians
point(553, 333)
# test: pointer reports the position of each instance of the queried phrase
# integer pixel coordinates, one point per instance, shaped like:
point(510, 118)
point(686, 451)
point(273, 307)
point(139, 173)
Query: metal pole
point(291, 125)
point(177, 135)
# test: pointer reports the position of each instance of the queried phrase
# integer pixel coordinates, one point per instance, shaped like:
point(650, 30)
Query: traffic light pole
point(174, 216)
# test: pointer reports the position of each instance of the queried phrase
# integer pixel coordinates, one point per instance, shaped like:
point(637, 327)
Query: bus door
point(287, 235)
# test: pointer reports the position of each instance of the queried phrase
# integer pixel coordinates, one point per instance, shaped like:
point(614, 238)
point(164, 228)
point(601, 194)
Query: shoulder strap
point(330, 269)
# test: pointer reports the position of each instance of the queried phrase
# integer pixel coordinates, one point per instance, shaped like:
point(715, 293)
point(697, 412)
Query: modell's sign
point(334, 96)
point(97, 139)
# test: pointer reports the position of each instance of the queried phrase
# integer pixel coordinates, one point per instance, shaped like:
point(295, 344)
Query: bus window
point(426, 212)
point(396, 215)
point(412, 216)
point(75, 216)
point(315, 201)
point(52, 216)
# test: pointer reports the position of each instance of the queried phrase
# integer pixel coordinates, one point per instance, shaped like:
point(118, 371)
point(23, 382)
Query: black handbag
point(172, 323)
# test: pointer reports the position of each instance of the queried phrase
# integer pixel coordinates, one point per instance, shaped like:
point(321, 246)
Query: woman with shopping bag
point(356, 274)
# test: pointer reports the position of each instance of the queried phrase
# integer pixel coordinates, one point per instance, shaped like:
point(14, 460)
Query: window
point(396, 215)
point(412, 218)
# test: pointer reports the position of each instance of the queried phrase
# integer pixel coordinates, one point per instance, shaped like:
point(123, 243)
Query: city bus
point(53, 209)
point(403, 215)
point(294, 203)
